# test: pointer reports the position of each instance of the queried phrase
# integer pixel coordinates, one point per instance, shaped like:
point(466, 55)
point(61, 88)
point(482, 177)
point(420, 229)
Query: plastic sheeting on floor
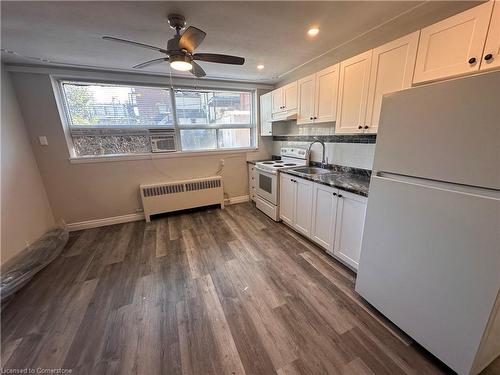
point(16, 272)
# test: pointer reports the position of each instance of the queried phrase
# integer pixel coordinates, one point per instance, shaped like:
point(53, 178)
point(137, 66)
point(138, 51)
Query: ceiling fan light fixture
point(181, 63)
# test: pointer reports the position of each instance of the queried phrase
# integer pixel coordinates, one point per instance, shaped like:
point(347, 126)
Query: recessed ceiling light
point(313, 31)
point(260, 66)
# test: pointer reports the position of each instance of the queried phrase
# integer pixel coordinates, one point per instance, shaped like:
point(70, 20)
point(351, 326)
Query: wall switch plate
point(43, 140)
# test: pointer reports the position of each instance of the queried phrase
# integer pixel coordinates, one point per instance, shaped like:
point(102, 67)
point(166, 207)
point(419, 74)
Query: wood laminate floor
point(205, 292)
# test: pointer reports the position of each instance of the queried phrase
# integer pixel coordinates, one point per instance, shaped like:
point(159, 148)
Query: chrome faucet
point(324, 163)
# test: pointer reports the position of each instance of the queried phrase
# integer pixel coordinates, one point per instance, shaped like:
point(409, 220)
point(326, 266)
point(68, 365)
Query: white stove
point(290, 157)
point(267, 199)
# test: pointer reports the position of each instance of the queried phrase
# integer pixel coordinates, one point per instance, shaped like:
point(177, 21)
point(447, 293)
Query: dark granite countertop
point(353, 180)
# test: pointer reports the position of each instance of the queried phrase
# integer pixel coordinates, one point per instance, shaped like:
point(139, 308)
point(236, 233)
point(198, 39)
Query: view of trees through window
point(207, 119)
point(106, 105)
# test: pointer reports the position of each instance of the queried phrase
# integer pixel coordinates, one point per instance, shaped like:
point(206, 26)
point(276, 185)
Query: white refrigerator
point(430, 258)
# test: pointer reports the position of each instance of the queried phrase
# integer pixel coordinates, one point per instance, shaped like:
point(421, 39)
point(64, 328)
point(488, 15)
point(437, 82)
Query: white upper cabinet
point(491, 54)
point(290, 96)
point(325, 98)
point(392, 70)
point(318, 96)
point(277, 100)
point(265, 115)
point(284, 98)
point(453, 46)
point(351, 212)
point(306, 108)
point(353, 93)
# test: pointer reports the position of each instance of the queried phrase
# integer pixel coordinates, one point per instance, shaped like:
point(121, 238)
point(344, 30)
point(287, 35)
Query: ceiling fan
point(180, 49)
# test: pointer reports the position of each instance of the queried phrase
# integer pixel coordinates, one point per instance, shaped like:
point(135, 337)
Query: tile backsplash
point(348, 150)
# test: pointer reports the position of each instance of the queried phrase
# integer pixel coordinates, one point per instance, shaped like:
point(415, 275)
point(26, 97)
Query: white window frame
point(56, 81)
point(252, 125)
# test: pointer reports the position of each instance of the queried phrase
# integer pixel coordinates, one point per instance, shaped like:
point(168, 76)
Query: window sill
point(153, 156)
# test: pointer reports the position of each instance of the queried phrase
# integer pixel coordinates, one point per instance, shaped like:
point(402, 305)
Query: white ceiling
point(264, 32)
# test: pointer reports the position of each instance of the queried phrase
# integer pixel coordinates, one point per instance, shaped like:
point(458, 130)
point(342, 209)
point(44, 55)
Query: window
point(214, 119)
point(111, 119)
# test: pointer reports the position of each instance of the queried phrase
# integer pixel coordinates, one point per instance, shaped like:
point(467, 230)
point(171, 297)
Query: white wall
point(81, 192)
point(25, 209)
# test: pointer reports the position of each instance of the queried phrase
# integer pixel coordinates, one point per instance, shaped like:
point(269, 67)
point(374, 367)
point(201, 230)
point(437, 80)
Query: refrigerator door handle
point(440, 185)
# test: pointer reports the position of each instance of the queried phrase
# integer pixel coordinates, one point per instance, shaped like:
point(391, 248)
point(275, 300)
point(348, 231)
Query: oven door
point(267, 186)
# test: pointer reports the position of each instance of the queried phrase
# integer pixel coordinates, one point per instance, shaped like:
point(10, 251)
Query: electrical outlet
point(138, 210)
point(222, 161)
point(43, 140)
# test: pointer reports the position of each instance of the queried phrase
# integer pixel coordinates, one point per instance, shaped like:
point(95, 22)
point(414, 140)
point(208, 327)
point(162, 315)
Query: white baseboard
point(234, 200)
point(104, 222)
point(133, 217)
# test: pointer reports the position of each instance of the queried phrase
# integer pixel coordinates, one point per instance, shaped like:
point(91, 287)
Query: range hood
point(284, 116)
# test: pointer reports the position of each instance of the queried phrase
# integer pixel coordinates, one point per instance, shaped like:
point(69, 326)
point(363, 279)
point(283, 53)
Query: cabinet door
point(265, 115)
point(324, 215)
point(492, 46)
point(305, 108)
point(277, 100)
point(453, 46)
point(287, 198)
point(349, 227)
point(303, 205)
point(353, 93)
point(392, 70)
point(290, 96)
point(327, 86)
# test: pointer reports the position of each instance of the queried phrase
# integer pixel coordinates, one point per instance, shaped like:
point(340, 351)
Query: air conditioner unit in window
point(162, 140)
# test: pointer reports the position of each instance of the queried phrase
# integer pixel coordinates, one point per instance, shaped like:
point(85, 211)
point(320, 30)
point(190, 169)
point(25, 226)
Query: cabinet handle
point(335, 194)
point(488, 57)
point(360, 127)
point(341, 196)
point(311, 118)
point(472, 60)
point(366, 126)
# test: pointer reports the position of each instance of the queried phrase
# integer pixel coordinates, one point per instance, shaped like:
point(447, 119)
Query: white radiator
point(180, 195)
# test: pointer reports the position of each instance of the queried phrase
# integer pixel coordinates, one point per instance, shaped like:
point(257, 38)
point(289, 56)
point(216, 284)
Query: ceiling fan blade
point(150, 62)
point(221, 59)
point(125, 41)
point(191, 38)
point(197, 70)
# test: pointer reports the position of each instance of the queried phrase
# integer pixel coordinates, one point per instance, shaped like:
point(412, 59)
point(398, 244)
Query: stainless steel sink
point(311, 170)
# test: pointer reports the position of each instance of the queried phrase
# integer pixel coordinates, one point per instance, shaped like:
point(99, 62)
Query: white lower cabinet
point(296, 196)
point(303, 206)
point(349, 226)
point(287, 198)
point(332, 218)
point(324, 217)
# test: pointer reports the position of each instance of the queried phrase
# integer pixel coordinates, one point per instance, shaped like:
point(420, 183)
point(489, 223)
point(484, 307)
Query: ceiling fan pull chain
point(170, 75)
